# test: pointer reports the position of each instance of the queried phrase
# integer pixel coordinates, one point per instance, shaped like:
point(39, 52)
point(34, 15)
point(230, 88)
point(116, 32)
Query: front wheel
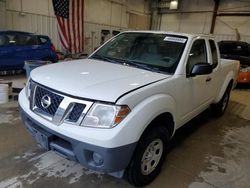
point(149, 157)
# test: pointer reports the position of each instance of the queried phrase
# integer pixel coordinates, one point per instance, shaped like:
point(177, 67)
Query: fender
point(143, 114)
point(229, 77)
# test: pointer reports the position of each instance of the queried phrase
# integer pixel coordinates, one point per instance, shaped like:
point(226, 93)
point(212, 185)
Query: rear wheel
point(149, 157)
point(220, 108)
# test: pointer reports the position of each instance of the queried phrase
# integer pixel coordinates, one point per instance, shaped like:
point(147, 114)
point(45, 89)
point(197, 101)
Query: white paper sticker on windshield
point(175, 39)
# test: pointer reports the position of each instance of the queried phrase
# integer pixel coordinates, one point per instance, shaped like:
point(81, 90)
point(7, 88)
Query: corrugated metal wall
point(92, 34)
point(195, 16)
point(37, 16)
point(34, 23)
point(2, 15)
point(11, 18)
point(41, 24)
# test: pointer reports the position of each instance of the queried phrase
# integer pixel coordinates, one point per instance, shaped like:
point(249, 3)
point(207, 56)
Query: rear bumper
point(11, 68)
point(107, 160)
point(54, 57)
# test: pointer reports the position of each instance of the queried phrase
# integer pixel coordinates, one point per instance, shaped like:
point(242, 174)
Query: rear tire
point(149, 157)
point(219, 108)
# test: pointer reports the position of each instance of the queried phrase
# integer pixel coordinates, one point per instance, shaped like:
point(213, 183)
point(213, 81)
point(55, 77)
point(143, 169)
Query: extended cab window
point(198, 54)
point(214, 53)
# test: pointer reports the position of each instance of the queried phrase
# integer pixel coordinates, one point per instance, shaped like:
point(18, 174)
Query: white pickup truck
point(116, 111)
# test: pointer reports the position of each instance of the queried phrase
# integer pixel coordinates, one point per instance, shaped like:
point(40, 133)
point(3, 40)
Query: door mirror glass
point(201, 69)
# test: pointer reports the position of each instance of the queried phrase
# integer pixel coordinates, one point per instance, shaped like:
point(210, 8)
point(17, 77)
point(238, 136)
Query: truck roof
point(189, 35)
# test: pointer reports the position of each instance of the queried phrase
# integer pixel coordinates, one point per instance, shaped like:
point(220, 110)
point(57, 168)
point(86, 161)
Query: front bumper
point(107, 160)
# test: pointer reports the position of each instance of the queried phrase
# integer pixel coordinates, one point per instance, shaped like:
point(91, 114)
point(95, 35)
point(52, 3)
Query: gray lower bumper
point(107, 160)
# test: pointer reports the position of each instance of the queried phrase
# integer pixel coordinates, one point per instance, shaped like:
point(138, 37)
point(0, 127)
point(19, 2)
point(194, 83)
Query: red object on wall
point(69, 14)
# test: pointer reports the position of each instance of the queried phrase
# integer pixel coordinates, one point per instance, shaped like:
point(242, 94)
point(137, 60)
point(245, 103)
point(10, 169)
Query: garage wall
point(139, 14)
point(2, 14)
point(225, 26)
point(195, 16)
point(102, 15)
point(34, 16)
point(113, 15)
point(198, 22)
point(37, 16)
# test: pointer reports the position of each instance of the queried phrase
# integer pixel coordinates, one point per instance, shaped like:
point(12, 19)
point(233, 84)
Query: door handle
point(208, 79)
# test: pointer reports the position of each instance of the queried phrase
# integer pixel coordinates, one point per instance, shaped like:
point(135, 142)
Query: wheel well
point(165, 119)
point(230, 85)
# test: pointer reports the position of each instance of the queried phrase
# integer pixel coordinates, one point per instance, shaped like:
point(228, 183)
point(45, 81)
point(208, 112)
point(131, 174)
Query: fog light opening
point(98, 159)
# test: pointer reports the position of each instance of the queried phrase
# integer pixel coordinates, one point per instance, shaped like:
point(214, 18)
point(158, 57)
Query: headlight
point(105, 115)
point(27, 88)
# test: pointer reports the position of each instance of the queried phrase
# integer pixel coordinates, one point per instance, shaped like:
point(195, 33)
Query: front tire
point(149, 157)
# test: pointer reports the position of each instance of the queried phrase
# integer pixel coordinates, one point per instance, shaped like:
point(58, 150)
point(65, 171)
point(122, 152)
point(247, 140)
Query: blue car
point(17, 47)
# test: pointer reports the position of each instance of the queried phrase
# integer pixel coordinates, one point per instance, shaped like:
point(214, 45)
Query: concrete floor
point(207, 152)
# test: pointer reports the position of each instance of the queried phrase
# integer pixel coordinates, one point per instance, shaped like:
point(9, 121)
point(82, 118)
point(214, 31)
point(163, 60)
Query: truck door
point(196, 89)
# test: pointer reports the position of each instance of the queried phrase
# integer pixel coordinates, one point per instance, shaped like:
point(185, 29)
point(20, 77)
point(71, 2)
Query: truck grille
point(57, 107)
point(76, 112)
point(55, 100)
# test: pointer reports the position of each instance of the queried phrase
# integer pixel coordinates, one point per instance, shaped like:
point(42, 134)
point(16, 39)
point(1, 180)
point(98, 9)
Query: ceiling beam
point(216, 7)
point(234, 14)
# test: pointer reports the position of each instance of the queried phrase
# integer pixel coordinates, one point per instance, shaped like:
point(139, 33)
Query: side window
point(197, 54)
point(24, 40)
point(11, 39)
point(244, 49)
point(42, 40)
point(4, 40)
point(19, 39)
point(31, 40)
point(214, 53)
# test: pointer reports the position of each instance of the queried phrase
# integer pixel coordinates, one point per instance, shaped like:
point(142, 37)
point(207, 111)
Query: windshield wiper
point(135, 63)
point(104, 58)
point(138, 64)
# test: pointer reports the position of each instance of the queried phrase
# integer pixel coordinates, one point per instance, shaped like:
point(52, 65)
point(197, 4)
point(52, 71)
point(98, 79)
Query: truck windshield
point(150, 51)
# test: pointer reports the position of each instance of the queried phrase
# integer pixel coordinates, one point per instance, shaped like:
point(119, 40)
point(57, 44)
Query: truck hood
point(94, 79)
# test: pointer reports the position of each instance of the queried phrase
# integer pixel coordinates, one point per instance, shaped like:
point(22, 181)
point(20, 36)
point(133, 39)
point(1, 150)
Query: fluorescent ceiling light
point(173, 5)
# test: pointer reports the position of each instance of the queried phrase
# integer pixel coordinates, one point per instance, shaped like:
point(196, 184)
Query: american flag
point(69, 14)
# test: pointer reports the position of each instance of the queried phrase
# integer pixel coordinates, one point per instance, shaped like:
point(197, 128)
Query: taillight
point(53, 48)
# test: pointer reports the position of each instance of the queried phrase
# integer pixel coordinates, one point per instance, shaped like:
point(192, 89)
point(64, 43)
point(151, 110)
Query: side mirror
point(201, 69)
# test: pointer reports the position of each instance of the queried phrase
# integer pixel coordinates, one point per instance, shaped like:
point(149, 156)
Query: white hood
point(93, 79)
